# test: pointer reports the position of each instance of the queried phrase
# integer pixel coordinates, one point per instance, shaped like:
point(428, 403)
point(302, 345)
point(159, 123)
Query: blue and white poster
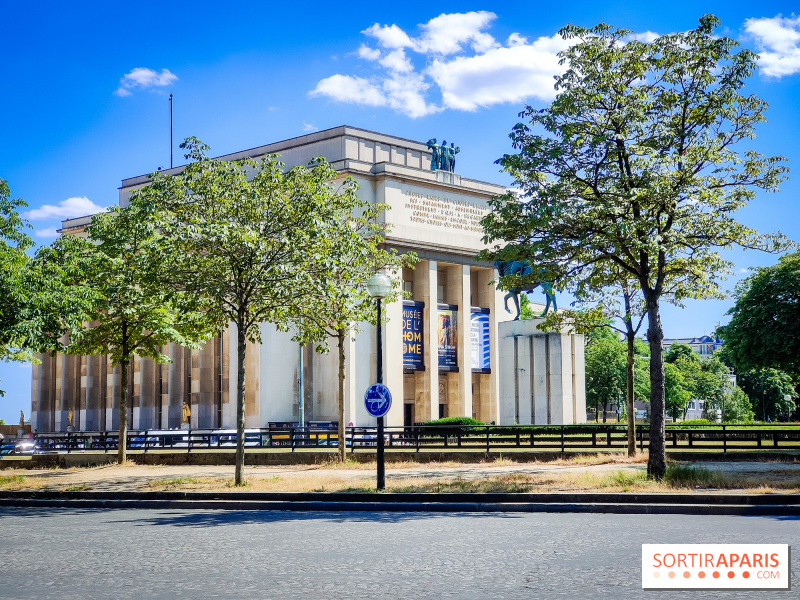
point(448, 338)
point(479, 334)
point(413, 348)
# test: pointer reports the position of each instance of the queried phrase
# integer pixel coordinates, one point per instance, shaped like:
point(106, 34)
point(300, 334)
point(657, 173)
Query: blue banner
point(413, 347)
point(480, 341)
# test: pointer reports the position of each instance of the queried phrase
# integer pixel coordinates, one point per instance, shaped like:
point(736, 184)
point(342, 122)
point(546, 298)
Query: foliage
point(352, 250)
point(676, 393)
point(121, 268)
point(454, 421)
point(605, 374)
point(36, 308)
point(634, 166)
point(679, 350)
point(764, 330)
point(258, 243)
point(766, 389)
point(736, 407)
point(14, 243)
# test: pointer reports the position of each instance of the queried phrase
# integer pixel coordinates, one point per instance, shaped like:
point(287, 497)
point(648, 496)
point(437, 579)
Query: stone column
point(425, 285)
point(539, 379)
point(175, 386)
point(90, 418)
point(463, 289)
point(393, 359)
point(206, 365)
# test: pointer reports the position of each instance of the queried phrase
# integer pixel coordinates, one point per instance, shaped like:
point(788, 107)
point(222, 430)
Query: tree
point(767, 390)
point(35, 308)
point(635, 164)
point(678, 350)
point(123, 262)
point(254, 241)
point(764, 330)
point(608, 311)
point(14, 243)
point(676, 394)
point(605, 374)
point(734, 406)
point(340, 303)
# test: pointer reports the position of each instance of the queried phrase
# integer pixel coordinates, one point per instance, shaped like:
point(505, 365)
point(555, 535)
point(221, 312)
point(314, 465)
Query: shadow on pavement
point(213, 518)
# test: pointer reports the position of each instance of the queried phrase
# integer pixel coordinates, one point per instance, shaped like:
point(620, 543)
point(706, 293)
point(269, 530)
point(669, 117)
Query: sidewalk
point(539, 476)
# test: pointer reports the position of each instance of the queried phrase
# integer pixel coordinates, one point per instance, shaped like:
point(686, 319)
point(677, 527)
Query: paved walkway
point(136, 477)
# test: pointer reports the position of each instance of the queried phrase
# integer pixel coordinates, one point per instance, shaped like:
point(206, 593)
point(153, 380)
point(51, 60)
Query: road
point(143, 554)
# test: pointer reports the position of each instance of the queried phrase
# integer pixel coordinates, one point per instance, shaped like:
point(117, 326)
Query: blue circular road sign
point(377, 399)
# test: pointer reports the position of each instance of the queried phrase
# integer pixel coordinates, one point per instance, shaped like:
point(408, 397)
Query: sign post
point(378, 400)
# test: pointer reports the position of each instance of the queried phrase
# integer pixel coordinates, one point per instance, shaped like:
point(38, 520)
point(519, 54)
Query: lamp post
point(379, 286)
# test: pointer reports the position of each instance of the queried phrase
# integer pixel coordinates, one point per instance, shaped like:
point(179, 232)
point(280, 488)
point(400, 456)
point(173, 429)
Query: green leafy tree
point(767, 390)
point(678, 350)
point(764, 330)
point(36, 310)
point(605, 374)
point(734, 406)
point(677, 394)
point(635, 164)
point(255, 242)
point(352, 247)
point(604, 316)
point(123, 263)
point(14, 243)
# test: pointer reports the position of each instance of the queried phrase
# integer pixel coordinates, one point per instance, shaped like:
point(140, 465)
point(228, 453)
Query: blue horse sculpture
point(522, 268)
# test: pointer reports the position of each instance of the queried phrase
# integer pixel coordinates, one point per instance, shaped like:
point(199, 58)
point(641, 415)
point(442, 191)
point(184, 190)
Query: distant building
point(705, 345)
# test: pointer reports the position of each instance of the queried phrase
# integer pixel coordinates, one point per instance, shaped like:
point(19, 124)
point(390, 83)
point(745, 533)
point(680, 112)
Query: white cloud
point(79, 206)
point(778, 42)
point(346, 88)
point(445, 34)
point(46, 233)
point(309, 127)
point(397, 61)
point(389, 36)
point(646, 37)
point(368, 53)
point(455, 56)
point(500, 75)
point(142, 77)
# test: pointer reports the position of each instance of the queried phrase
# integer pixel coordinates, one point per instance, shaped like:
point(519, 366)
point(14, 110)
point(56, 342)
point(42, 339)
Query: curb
point(689, 504)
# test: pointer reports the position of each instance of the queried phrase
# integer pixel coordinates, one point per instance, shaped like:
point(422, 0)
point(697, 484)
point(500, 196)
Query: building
point(705, 345)
point(440, 347)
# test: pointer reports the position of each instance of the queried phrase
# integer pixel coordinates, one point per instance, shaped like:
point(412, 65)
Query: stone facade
point(433, 213)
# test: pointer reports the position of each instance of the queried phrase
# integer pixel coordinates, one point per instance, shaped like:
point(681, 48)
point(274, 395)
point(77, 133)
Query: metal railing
point(486, 438)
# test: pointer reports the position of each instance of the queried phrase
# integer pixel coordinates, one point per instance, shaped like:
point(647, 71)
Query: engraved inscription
point(441, 211)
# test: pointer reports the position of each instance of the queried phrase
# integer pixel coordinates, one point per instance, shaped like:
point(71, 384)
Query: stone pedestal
point(542, 376)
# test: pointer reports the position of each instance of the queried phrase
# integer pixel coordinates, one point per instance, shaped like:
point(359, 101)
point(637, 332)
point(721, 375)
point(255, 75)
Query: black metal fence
point(486, 438)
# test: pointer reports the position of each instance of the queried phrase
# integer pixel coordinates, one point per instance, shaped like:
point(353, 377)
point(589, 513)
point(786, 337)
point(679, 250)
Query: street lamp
point(379, 286)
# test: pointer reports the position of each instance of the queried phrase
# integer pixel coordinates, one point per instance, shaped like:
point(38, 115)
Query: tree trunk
point(605, 405)
point(629, 371)
point(122, 446)
point(241, 348)
point(656, 462)
point(341, 443)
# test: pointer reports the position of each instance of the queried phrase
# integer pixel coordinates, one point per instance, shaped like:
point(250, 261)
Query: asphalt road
point(119, 554)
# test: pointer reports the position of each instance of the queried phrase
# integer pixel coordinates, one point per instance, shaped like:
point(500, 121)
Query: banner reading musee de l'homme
point(413, 347)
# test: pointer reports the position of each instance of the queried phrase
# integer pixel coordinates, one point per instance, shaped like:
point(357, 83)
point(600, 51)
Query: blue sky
point(84, 92)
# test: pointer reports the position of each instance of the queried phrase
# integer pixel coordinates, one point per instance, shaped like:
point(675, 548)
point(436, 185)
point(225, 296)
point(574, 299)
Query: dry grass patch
point(23, 482)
